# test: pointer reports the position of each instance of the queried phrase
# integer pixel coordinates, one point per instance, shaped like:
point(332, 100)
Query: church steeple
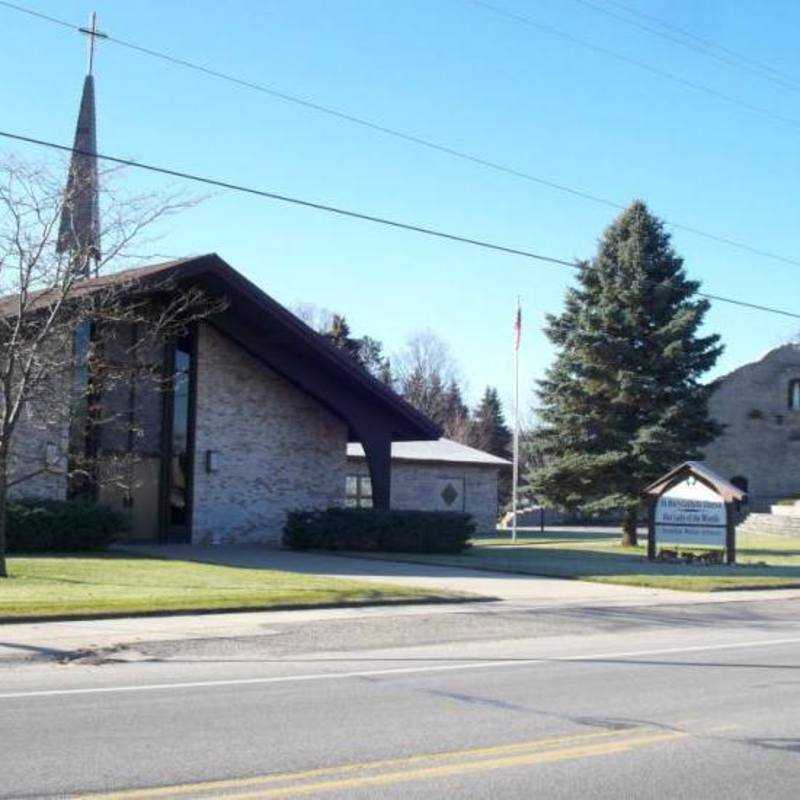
point(79, 231)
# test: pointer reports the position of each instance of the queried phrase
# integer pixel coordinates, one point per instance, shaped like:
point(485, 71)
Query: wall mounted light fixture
point(212, 460)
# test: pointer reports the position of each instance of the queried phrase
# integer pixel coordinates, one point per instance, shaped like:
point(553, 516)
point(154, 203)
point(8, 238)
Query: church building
point(759, 406)
point(257, 416)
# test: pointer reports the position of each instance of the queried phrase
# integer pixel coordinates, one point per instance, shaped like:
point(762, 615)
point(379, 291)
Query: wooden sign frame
point(730, 495)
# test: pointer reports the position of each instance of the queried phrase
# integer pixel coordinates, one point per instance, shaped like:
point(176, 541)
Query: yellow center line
point(463, 768)
point(236, 783)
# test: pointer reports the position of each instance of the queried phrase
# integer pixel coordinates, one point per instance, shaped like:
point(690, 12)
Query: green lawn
point(597, 556)
point(41, 586)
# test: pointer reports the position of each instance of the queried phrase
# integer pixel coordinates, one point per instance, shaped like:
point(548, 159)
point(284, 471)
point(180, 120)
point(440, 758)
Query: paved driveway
point(498, 585)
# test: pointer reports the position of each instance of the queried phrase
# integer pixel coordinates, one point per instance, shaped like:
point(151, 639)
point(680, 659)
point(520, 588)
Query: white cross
point(93, 34)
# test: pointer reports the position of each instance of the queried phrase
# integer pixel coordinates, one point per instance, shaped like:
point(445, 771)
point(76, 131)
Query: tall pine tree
point(456, 423)
point(366, 351)
point(623, 401)
point(489, 432)
point(338, 334)
point(489, 429)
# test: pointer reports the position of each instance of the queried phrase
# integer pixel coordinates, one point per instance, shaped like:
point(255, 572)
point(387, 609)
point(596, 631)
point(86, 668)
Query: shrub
point(388, 531)
point(61, 525)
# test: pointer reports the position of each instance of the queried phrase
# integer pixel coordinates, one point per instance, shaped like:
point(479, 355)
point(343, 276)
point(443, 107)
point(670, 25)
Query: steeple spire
point(79, 231)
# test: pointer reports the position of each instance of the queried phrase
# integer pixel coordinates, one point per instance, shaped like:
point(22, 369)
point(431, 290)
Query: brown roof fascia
point(155, 276)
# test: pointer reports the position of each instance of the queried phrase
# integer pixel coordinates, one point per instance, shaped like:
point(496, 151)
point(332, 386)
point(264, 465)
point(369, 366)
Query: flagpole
point(515, 462)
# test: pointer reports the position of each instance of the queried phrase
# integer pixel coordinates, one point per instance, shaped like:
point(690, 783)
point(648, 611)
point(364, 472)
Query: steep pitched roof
point(263, 326)
point(135, 277)
point(444, 451)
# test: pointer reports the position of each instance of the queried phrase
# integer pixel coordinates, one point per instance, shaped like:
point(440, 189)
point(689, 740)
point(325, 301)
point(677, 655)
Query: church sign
point(691, 506)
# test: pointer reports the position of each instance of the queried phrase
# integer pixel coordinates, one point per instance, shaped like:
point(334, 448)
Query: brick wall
point(419, 486)
point(278, 448)
point(34, 432)
point(762, 438)
point(43, 425)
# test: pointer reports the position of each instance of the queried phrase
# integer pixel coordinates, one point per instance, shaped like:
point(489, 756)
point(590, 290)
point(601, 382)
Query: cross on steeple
point(93, 34)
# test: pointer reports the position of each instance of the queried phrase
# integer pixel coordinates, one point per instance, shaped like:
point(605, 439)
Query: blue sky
point(459, 75)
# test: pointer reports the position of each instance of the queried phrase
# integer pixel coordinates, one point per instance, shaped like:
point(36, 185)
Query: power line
point(288, 199)
point(662, 73)
point(505, 249)
point(408, 137)
point(709, 43)
point(698, 46)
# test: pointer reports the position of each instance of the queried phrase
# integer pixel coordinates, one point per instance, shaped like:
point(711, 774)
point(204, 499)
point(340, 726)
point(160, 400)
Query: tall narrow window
point(794, 395)
point(179, 468)
point(80, 484)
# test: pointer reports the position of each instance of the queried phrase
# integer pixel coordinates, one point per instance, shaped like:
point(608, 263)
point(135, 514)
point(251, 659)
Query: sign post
point(691, 507)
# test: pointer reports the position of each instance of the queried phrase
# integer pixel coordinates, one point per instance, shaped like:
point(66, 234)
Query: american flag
point(518, 327)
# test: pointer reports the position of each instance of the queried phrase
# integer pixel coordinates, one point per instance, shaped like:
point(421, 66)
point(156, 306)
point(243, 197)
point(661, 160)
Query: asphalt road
point(512, 702)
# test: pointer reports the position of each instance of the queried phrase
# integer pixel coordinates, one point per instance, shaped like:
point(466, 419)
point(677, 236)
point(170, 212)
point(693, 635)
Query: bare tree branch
point(44, 302)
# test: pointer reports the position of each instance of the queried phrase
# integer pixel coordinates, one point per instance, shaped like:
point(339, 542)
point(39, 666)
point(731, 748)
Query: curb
point(433, 600)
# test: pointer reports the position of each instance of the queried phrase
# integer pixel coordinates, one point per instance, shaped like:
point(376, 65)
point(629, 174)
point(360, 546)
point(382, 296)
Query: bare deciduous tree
point(47, 383)
point(428, 376)
point(316, 317)
point(426, 355)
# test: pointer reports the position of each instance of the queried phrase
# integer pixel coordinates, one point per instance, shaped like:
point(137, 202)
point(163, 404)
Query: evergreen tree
point(434, 400)
point(489, 429)
point(622, 402)
point(426, 394)
point(489, 432)
point(385, 373)
point(457, 424)
point(338, 334)
point(366, 351)
point(414, 388)
point(370, 355)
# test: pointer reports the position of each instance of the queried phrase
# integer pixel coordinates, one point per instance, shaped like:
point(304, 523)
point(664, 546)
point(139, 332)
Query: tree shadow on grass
point(481, 561)
point(766, 553)
point(567, 562)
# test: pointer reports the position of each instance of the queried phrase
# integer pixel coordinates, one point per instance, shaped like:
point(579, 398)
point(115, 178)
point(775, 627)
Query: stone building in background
point(759, 405)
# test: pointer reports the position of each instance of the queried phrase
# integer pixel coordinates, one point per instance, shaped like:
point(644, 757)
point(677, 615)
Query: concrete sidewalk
point(532, 589)
point(69, 640)
point(462, 580)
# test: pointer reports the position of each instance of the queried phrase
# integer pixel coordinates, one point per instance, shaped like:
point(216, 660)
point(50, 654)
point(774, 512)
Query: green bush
point(388, 531)
point(61, 525)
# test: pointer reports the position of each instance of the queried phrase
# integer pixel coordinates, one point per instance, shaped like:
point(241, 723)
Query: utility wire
point(671, 76)
point(705, 49)
point(507, 250)
point(705, 42)
point(464, 156)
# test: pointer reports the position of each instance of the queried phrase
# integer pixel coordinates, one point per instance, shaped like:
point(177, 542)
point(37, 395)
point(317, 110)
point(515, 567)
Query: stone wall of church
point(41, 439)
point(277, 448)
point(761, 441)
point(424, 487)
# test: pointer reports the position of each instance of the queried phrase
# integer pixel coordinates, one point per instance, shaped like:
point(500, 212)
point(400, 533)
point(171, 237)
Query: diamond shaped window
point(449, 494)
